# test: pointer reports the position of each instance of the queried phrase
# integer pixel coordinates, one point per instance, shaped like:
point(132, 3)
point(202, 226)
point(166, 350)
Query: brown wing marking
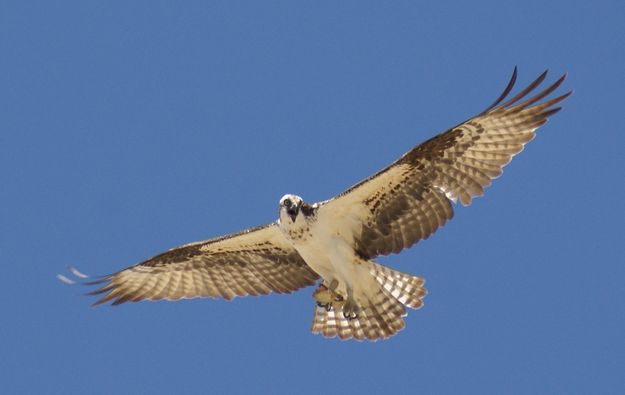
point(410, 199)
point(256, 261)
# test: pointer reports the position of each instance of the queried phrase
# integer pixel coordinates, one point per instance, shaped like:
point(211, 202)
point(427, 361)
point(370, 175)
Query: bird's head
point(290, 206)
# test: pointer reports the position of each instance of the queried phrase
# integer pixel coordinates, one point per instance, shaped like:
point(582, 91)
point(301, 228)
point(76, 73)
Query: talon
point(330, 299)
point(350, 315)
point(325, 297)
point(350, 309)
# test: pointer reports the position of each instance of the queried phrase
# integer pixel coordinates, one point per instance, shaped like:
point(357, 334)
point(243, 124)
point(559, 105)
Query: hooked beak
point(292, 213)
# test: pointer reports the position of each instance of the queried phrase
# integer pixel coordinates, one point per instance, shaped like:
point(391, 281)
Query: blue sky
point(128, 128)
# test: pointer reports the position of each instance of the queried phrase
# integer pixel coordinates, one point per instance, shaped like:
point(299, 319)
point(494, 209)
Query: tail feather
point(382, 310)
point(386, 313)
point(406, 288)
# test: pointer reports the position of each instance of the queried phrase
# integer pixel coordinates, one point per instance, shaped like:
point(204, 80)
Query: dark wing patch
point(257, 261)
point(407, 201)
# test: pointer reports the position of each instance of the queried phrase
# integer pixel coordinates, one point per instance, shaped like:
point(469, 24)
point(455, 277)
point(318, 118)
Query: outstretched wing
point(410, 199)
point(255, 261)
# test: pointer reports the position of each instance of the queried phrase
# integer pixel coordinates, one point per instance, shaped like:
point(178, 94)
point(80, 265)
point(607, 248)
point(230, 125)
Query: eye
point(288, 203)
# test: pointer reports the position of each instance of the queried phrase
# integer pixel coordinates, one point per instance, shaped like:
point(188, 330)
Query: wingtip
point(103, 300)
point(76, 272)
point(505, 92)
point(64, 279)
point(98, 303)
point(552, 112)
point(566, 95)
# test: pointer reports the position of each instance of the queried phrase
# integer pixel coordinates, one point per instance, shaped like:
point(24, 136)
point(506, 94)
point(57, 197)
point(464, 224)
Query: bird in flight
point(333, 243)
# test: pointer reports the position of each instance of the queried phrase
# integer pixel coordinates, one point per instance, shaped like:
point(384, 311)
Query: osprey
point(333, 243)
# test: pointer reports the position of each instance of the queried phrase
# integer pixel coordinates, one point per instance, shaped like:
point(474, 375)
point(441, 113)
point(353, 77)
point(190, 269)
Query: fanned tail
point(381, 310)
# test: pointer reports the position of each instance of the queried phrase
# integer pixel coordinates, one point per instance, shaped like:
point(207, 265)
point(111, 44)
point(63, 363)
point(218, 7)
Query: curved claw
point(350, 315)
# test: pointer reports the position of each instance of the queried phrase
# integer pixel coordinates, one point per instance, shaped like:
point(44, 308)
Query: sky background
point(127, 128)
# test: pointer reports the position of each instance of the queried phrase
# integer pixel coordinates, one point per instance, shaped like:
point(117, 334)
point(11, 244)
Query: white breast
point(323, 244)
